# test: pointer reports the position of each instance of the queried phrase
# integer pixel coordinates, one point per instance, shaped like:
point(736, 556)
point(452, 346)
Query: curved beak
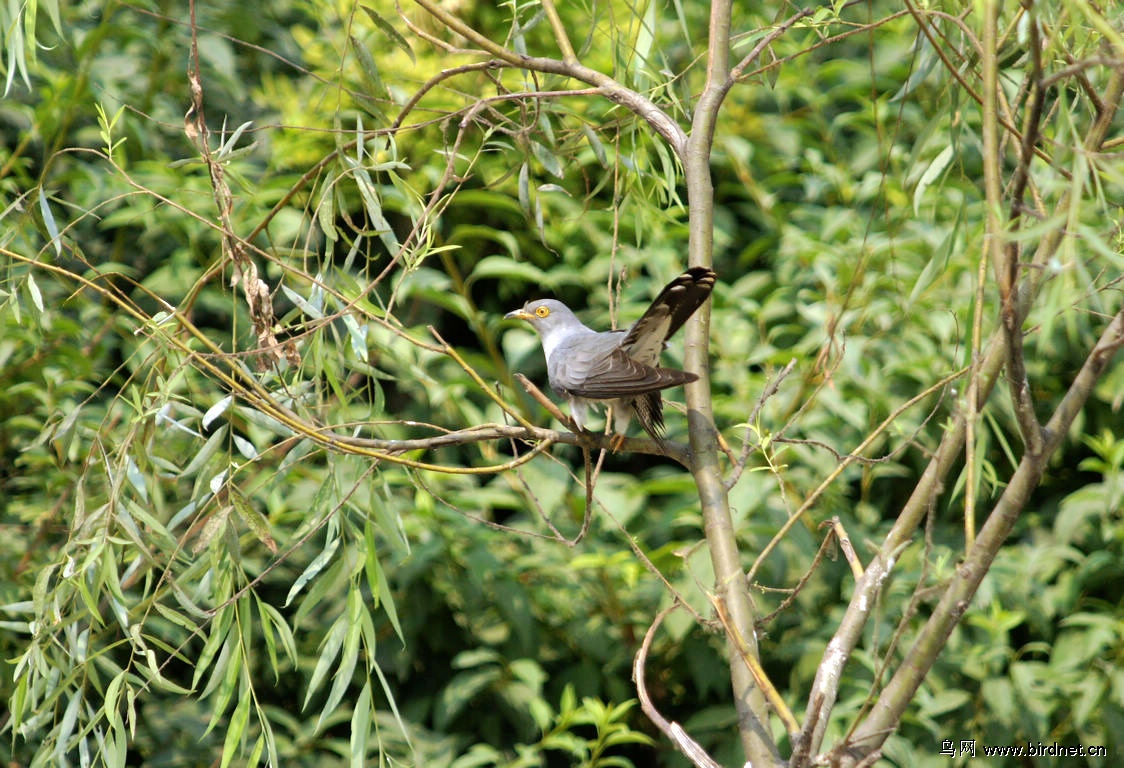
point(518, 314)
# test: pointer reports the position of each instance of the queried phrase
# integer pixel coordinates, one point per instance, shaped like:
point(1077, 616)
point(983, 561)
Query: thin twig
point(1008, 273)
point(847, 461)
point(476, 377)
point(775, 33)
point(772, 695)
point(968, 575)
point(559, 30)
point(794, 592)
point(647, 110)
point(748, 444)
point(673, 731)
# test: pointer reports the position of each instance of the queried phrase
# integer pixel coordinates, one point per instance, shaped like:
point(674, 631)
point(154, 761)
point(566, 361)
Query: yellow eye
point(542, 311)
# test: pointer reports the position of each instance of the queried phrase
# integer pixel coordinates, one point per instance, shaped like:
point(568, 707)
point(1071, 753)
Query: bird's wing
point(595, 366)
point(676, 302)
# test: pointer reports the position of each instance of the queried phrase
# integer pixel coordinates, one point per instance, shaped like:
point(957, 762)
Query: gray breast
point(580, 356)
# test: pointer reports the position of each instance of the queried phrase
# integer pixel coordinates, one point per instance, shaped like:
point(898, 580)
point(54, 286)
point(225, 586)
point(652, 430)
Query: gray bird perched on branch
point(617, 368)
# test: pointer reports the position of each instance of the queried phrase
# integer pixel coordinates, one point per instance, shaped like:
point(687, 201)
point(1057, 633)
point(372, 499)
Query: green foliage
point(192, 573)
point(1038, 663)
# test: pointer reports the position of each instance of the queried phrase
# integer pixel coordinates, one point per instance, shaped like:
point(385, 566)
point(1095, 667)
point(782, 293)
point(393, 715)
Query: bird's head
point(544, 315)
point(552, 319)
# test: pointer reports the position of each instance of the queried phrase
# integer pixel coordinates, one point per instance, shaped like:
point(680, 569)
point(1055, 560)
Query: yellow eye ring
point(542, 311)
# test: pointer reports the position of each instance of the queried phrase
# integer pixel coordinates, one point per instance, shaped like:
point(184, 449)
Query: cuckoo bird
point(617, 368)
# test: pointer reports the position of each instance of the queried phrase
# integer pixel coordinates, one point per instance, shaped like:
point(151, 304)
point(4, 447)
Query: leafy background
point(185, 582)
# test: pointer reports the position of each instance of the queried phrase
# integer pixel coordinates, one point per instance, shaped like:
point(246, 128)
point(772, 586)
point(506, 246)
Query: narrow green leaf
point(112, 581)
point(373, 205)
point(236, 727)
point(389, 693)
point(331, 647)
point(270, 742)
point(548, 159)
point(245, 447)
point(227, 148)
point(361, 727)
point(348, 658)
point(255, 754)
point(368, 65)
point(525, 188)
point(153, 527)
point(254, 519)
point(326, 214)
point(932, 173)
point(378, 583)
point(33, 289)
point(18, 700)
point(596, 145)
point(274, 623)
point(216, 410)
point(357, 336)
point(317, 565)
point(540, 218)
point(66, 727)
point(215, 643)
point(52, 230)
point(151, 671)
point(230, 667)
point(212, 527)
point(176, 617)
point(136, 477)
point(645, 39)
point(390, 32)
point(305, 306)
point(213, 444)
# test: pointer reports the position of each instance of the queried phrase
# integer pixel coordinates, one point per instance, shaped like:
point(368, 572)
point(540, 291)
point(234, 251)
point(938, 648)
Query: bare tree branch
point(730, 585)
point(659, 120)
point(673, 731)
point(748, 444)
point(897, 694)
point(928, 488)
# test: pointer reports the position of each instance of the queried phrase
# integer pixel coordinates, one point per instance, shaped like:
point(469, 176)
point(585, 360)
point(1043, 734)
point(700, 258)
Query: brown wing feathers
point(675, 304)
point(621, 376)
point(629, 368)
